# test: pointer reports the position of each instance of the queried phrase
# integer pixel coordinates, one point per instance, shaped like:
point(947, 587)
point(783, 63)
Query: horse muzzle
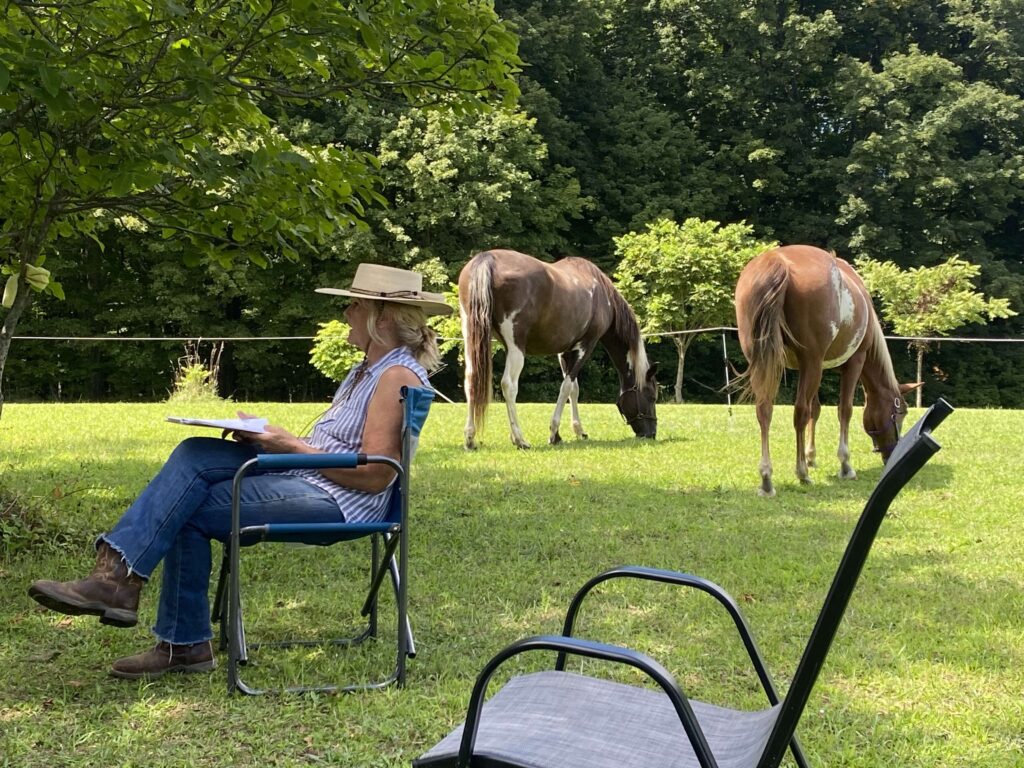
point(644, 427)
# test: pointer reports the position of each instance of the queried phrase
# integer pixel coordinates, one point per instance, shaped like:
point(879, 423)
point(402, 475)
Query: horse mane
point(878, 351)
point(624, 323)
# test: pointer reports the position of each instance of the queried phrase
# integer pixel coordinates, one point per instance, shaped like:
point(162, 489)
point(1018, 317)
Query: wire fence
point(716, 329)
point(724, 332)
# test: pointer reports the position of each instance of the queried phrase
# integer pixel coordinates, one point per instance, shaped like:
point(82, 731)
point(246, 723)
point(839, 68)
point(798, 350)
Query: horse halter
point(893, 424)
point(640, 415)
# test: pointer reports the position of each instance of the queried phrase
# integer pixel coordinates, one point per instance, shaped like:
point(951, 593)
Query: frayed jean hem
point(160, 638)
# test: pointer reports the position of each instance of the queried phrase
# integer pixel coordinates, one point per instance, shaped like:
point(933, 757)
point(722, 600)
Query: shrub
point(331, 354)
point(196, 379)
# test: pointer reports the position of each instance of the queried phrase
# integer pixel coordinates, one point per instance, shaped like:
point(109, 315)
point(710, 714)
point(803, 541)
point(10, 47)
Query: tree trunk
point(920, 366)
point(682, 344)
point(21, 303)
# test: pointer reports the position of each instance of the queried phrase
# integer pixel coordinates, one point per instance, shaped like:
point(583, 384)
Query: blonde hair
point(410, 324)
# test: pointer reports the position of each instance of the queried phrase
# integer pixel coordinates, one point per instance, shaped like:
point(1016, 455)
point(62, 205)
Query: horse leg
point(467, 385)
point(514, 361)
point(806, 394)
point(849, 375)
point(470, 430)
point(574, 402)
point(571, 362)
point(563, 394)
point(764, 418)
point(812, 451)
point(570, 390)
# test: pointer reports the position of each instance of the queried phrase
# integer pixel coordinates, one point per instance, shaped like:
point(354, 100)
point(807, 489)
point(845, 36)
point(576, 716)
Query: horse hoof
point(766, 494)
point(851, 475)
point(584, 436)
point(806, 481)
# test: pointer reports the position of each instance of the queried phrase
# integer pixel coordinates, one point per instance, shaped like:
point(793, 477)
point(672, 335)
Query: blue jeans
point(186, 505)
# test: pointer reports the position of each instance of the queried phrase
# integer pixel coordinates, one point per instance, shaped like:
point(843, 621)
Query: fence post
point(725, 361)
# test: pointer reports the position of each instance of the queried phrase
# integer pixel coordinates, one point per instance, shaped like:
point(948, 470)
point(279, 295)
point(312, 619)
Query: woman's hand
point(273, 439)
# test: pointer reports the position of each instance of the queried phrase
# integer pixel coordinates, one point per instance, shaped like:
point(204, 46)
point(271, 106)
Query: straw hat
point(402, 286)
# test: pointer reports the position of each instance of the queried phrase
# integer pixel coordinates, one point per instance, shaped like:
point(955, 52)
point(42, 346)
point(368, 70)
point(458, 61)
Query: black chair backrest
point(911, 453)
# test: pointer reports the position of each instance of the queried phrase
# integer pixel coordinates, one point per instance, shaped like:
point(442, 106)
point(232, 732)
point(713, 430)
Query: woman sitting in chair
point(188, 503)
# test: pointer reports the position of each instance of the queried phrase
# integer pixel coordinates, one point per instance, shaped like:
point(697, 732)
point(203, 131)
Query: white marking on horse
point(506, 329)
point(846, 305)
point(847, 318)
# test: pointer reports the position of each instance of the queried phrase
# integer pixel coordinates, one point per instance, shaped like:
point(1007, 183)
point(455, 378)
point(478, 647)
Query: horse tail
point(475, 305)
point(769, 334)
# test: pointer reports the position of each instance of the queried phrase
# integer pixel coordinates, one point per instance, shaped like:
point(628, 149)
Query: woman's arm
point(382, 435)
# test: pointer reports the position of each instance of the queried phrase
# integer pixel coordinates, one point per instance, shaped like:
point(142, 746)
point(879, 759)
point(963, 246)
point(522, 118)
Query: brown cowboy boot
point(164, 658)
point(110, 591)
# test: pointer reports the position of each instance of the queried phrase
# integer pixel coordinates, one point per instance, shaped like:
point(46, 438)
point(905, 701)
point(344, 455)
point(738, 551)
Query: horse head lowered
point(804, 308)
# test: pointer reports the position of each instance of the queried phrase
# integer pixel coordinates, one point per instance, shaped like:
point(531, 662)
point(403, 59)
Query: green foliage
point(20, 522)
point(680, 278)
point(930, 301)
point(157, 118)
point(195, 379)
point(331, 354)
point(449, 327)
point(929, 146)
point(882, 129)
point(886, 130)
point(193, 382)
point(457, 184)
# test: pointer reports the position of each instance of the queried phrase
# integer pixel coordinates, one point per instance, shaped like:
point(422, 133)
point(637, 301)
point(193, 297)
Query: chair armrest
point(279, 461)
point(593, 650)
point(684, 580)
point(309, 460)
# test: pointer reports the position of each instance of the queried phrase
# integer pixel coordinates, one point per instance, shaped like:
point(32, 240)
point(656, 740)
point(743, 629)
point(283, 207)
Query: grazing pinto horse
point(562, 309)
point(800, 307)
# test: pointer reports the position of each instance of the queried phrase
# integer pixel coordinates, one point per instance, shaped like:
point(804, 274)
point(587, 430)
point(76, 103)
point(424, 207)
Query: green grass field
point(927, 669)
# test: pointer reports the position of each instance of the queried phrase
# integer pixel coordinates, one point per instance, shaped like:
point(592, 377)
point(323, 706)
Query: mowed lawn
point(927, 669)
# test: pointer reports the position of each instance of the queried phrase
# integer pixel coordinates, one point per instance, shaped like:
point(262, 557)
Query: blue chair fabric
point(389, 547)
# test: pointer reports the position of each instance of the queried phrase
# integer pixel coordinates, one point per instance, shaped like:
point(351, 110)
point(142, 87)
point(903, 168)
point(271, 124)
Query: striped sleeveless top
point(340, 430)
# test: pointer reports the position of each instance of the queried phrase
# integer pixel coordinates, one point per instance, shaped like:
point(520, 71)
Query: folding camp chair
point(558, 718)
point(389, 547)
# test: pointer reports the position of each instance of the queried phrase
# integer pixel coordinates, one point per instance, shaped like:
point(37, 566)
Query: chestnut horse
point(563, 309)
point(801, 307)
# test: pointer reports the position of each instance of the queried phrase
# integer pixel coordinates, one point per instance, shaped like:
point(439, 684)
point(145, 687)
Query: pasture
point(927, 669)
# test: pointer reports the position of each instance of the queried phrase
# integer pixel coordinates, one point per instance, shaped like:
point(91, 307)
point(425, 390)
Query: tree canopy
point(930, 301)
point(888, 130)
point(161, 118)
point(680, 278)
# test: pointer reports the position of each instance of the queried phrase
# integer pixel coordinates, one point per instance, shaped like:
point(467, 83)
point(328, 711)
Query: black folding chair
point(566, 720)
point(389, 547)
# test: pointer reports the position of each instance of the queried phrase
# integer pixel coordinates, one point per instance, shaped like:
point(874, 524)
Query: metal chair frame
point(389, 546)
